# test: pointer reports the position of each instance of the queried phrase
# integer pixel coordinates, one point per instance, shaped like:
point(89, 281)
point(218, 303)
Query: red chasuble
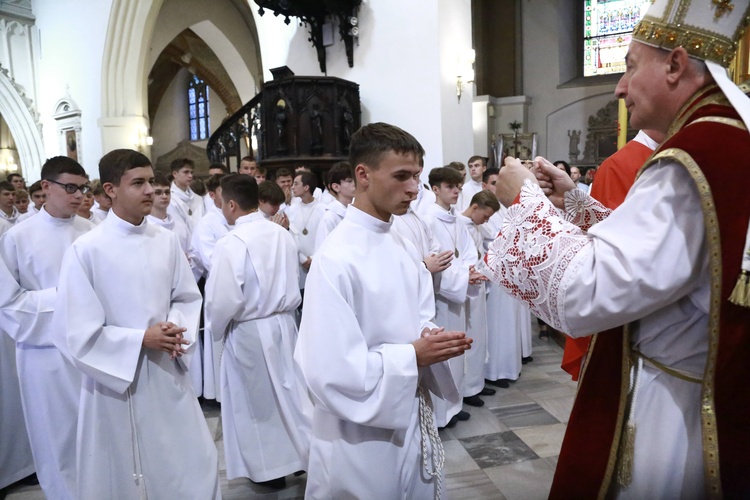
point(710, 141)
point(614, 178)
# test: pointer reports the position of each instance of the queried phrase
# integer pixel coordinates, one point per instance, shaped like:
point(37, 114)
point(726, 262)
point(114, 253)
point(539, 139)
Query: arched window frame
point(198, 109)
point(608, 27)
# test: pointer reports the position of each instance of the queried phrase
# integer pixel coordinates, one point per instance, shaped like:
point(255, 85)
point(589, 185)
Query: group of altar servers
point(100, 323)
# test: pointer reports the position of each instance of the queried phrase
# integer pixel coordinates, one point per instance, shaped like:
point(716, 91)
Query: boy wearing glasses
point(32, 255)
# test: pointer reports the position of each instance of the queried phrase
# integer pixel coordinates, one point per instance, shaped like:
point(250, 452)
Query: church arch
point(23, 126)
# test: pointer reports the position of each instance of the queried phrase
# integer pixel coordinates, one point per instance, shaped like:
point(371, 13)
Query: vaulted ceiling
point(189, 51)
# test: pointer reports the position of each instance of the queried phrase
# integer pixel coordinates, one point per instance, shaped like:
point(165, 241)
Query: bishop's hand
point(553, 181)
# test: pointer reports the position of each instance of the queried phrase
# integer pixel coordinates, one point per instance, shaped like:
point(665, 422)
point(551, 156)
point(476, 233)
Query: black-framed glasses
point(72, 188)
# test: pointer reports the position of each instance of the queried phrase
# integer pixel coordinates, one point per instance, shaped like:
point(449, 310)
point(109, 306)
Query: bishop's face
point(645, 88)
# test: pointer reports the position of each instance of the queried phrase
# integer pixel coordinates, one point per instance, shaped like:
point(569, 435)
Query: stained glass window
point(607, 29)
point(198, 109)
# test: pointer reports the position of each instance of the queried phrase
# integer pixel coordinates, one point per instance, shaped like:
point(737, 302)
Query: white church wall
point(397, 65)
point(547, 26)
point(454, 36)
point(72, 35)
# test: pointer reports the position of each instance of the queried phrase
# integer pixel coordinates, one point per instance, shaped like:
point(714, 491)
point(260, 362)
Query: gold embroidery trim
point(700, 43)
point(624, 388)
point(732, 122)
point(708, 413)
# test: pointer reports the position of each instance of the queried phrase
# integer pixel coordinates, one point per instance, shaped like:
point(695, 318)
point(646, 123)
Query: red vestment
point(713, 145)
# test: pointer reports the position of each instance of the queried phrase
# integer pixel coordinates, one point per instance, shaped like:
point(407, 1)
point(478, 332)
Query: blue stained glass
point(608, 25)
point(198, 109)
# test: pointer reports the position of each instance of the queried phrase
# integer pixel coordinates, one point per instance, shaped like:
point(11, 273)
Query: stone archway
point(129, 38)
point(23, 126)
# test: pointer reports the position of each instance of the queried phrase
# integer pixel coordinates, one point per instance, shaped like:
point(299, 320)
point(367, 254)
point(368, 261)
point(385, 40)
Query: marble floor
point(507, 449)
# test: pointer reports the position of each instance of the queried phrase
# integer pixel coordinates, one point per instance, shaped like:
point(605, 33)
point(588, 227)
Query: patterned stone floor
point(507, 450)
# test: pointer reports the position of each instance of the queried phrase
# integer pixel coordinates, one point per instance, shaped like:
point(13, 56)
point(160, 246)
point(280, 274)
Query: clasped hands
point(553, 181)
point(436, 345)
point(166, 336)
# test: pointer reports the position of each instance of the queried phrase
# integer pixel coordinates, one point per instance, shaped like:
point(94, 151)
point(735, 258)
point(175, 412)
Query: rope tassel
point(741, 294)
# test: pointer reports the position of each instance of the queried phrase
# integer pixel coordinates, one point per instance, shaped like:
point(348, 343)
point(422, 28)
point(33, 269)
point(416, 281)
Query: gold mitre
point(707, 29)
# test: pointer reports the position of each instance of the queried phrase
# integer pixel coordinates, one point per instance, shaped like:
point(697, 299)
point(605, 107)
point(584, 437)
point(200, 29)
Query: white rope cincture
point(429, 431)
point(137, 467)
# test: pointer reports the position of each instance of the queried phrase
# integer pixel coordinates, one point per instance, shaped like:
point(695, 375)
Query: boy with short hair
point(247, 166)
point(367, 347)
point(129, 307)
point(483, 205)
point(36, 193)
point(84, 211)
point(22, 201)
point(161, 217)
point(270, 199)
point(304, 218)
point(284, 181)
point(260, 174)
point(184, 203)
point(251, 296)
point(31, 256)
point(102, 203)
point(473, 185)
point(452, 284)
point(341, 186)
point(8, 210)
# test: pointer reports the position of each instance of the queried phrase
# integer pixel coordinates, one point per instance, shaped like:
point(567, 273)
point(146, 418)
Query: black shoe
point(31, 480)
point(474, 401)
point(501, 383)
point(276, 484)
point(451, 423)
point(487, 392)
point(463, 416)
point(527, 359)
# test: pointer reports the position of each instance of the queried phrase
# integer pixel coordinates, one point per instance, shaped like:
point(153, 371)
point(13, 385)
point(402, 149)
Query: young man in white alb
point(473, 184)
point(304, 218)
point(367, 347)
point(184, 204)
point(341, 186)
point(8, 210)
point(483, 205)
point(252, 294)
point(452, 284)
point(32, 257)
point(210, 229)
point(129, 307)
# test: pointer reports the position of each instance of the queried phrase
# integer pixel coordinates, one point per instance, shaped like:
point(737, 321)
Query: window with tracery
point(607, 30)
point(198, 109)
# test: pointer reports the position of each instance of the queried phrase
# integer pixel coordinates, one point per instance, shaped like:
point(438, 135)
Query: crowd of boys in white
point(254, 272)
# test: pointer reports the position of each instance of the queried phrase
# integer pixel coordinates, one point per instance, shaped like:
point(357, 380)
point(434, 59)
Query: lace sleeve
point(530, 256)
point(583, 210)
